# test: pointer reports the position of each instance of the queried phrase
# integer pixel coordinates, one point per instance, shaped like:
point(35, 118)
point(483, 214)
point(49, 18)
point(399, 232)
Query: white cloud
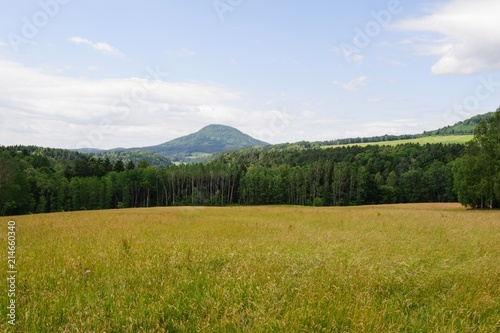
point(49, 109)
point(181, 53)
point(463, 34)
point(100, 46)
point(2, 43)
point(352, 85)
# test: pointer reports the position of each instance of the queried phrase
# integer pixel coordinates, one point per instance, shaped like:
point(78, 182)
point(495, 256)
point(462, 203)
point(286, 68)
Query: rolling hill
point(199, 146)
point(459, 133)
point(213, 139)
point(444, 139)
point(463, 128)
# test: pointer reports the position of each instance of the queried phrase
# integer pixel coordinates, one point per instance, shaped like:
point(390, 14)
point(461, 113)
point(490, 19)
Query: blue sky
point(115, 73)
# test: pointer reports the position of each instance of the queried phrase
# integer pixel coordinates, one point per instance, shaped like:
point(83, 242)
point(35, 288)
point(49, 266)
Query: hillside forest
point(43, 180)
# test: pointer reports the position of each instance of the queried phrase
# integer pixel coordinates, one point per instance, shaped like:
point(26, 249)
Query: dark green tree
point(477, 174)
point(119, 166)
point(15, 191)
point(130, 165)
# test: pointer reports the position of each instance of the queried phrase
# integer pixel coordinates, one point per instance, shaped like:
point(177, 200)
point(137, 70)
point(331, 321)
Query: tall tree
point(477, 174)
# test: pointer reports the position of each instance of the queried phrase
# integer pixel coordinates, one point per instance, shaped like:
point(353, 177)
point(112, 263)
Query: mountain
point(212, 139)
point(204, 143)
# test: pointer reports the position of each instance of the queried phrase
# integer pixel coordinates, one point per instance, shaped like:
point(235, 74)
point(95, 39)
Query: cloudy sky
point(125, 73)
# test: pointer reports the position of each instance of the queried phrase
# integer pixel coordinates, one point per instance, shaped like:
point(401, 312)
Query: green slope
point(202, 144)
point(465, 127)
point(444, 139)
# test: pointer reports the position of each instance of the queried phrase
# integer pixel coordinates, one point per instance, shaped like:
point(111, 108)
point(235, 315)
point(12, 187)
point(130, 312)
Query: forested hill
point(126, 156)
point(42, 153)
point(207, 141)
point(465, 127)
point(134, 156)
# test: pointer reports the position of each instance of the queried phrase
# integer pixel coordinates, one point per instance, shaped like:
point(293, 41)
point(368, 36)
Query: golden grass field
point(394, 268)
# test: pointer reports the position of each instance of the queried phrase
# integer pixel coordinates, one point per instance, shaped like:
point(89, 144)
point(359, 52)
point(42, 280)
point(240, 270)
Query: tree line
point(31, 182)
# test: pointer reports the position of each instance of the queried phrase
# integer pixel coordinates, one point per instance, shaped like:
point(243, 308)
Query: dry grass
point(395, 268)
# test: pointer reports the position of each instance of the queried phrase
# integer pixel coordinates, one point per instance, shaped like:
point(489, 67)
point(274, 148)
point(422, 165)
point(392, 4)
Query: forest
point(39, 181)
point(42, 180)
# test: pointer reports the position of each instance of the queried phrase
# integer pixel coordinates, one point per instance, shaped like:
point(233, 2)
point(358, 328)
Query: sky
point(132, 73)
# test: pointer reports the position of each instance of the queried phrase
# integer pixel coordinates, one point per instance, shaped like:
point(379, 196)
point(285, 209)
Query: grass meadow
point(444, 139)
point(394, 268)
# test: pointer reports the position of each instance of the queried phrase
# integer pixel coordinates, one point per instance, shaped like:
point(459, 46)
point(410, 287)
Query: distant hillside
point(127, 155)
point(444, 139)
point(464, 132)
point(202, 144)
point(57, 154)
point(90, 151)
point(135, 156)
point(465, 127)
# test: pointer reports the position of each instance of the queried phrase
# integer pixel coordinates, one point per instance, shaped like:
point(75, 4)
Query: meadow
point(444, 139)
point(392, 268)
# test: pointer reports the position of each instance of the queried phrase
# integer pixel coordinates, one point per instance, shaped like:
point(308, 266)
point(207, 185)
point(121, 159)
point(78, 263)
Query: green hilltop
point(207, 141)
point(442, 135)
point(465, 127)
point(460, 132)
